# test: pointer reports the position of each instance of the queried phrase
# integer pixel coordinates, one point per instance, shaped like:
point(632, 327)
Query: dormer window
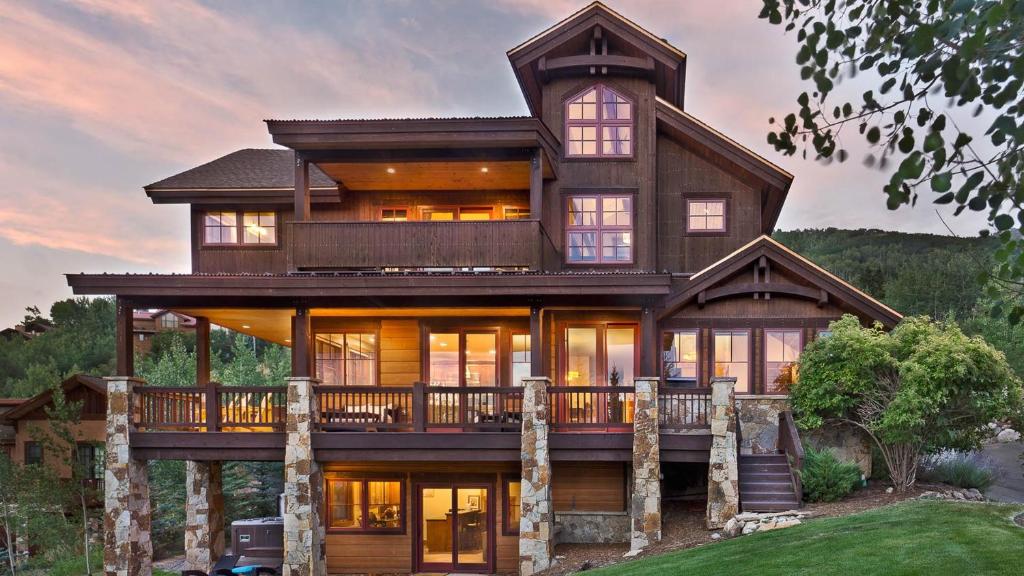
point(599, 122)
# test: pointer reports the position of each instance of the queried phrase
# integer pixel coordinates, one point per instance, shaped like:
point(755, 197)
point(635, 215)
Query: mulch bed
point(683, 527)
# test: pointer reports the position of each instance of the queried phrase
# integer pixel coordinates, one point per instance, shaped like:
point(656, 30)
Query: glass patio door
point(456, 521)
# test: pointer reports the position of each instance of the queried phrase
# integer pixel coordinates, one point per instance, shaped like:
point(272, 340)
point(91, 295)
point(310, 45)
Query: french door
point(455, 527)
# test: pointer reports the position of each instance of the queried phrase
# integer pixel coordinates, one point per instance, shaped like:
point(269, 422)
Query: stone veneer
point(645, 503)
point(303, 530)
point(204, 515)
point(759, 422)
point(536, 522)
point(850, 444)
point(723, 469)
point(579, 527)
point(127, 548)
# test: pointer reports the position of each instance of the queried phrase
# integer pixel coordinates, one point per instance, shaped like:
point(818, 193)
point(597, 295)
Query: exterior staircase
point(767, 483)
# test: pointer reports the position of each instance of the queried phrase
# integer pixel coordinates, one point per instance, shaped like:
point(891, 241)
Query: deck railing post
point(212, 407)
point(419, 407)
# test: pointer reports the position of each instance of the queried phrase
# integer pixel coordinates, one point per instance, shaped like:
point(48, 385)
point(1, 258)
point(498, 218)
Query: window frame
point(354, 329)
point(599, 123)
point(96, 471)
point(25, 451)
point(499, 369)
point(506, 528)
point(239, 243)
point(562, 348)
point(599, 229)
point(800, 350)
point(364, 480)
point(456, 210)
point(696, 362)
point(708, 231)
point(750, 354)
point(382, 209)
point(512, 355)
point(508, 208)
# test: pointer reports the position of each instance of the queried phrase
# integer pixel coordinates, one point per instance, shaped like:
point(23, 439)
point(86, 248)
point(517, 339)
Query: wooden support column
point(537, 341)
point(302, 200)
point(125, 338)
point(536, 183)
point(202, 351)
point(302, 344)
point(649, 344)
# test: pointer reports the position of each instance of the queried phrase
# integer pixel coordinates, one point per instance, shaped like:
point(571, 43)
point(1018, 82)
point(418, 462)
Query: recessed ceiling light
point(390, 170)
point(287, 339)
point(246, 326)
point(485, 170)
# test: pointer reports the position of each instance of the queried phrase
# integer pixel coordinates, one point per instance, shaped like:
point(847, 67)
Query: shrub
point(960, 469)
point(825, 477)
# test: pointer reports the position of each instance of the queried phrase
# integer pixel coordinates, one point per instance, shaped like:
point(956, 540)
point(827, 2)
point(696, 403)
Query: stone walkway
point(1009, 484)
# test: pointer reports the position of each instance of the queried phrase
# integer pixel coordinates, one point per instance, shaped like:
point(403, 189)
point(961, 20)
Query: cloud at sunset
point(101, 97)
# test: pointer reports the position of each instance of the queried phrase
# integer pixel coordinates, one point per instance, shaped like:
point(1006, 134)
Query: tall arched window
point(599, 122)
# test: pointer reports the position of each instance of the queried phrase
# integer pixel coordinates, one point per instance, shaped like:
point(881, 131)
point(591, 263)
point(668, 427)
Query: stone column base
point(204, 515)
point(645, 503)
point(536, 521)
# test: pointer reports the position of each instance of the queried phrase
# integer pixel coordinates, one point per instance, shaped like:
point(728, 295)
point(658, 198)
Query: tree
point(921, 388)
point(965, 54)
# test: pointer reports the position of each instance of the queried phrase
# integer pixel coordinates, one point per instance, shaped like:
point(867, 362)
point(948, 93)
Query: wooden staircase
point(767, 483)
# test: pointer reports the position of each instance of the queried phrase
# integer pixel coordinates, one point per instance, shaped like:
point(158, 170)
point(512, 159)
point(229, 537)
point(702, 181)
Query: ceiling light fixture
point(485, 170)
point(390, 170)
point(246, 326)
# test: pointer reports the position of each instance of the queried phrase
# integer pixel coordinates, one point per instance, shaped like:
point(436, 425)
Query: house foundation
point(204, 515)
point(536, 524)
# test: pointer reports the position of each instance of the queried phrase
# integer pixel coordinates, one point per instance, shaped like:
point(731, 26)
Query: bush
point(825, 477)
point(960, 469)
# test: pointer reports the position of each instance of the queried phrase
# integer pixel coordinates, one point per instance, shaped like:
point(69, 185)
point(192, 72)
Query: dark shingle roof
point(251, 168)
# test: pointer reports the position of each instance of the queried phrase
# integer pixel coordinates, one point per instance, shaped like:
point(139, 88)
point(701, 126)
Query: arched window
point(599, 122)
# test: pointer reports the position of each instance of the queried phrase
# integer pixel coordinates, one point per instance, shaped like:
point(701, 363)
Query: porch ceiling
point(467, 175)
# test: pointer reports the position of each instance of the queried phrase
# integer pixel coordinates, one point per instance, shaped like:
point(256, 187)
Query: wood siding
point(589, 486)
point(399, 352)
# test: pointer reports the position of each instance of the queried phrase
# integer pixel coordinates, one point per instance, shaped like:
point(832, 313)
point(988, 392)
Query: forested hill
point(913, 273)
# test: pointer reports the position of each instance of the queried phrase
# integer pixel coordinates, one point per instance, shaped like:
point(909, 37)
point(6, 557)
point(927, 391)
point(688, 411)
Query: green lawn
point(920, 537)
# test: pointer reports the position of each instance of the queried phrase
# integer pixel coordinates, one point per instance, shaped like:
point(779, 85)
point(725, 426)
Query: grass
point(932, 538)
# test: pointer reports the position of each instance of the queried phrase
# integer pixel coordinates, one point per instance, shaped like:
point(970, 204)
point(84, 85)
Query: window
point(365, 505)
point(732, 357)
point(91, 460)
point(394, 215)
point(512, 508)
point(599, 122)
point(474, 213)
point(599, 229)
point(220, 228)
point(679, 357)
point(599, 355)
point(781, 351)
point(824, 333)
point(521, 364)
point(347, 359)
point(33, 453)
point(463, 359)
point(516, 213)
point(169, 321)
point(705, 215)
point(260, 228)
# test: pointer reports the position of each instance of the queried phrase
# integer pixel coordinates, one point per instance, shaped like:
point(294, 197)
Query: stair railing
point(790, 445)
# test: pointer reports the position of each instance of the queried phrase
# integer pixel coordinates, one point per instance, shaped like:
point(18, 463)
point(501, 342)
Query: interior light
point(390, 170)
point(492, 352)
point(432, 337)
point(246, 326)
point(443, 344)
point(485, 170)
point(287, 339)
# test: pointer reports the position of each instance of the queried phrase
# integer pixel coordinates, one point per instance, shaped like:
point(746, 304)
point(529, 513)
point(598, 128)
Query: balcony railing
point(368, 245)
point(416, 408)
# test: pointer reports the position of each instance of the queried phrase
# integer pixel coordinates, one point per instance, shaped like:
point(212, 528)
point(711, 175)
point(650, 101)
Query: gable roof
point(728, 154)
point(243, 172)
point(26, 407)
point(665, 62)
point(765, 246)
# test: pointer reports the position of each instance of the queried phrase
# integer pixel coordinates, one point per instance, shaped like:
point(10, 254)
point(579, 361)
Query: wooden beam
point(302, 344)
point(302, 199)
point(125, 338)
point(536, 183)
point(202, 351)
point(537, 341)
point(649, 348)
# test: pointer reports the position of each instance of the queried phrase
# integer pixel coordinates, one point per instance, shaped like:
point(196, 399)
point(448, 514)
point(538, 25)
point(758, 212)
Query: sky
point(100, 97)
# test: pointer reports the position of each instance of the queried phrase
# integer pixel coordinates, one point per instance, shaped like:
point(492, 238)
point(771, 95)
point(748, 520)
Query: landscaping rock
point(1008, 435)
point(971, 495)
point(733, 528)
point(750, 528)
point(716, 536)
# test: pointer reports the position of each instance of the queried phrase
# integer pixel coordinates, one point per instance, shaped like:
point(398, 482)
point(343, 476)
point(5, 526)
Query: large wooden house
point(504, 331)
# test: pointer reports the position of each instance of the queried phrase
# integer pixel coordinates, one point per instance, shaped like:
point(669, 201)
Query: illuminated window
point(474, 213)
point(347, 359)
point(599, 229)
point(516, 213)
point(732, 357)
point(438, 214)
point(521, 366)
point(599, 122)
point(781, 351)
point(260, 228)
point(394, 215)
point(366, 505)
point(463, 359)
point(679, 357)
point(705, 215)
point(512, 508)
point(220, 228)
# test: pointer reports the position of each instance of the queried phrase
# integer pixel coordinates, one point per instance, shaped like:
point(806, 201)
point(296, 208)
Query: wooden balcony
point(370, 245)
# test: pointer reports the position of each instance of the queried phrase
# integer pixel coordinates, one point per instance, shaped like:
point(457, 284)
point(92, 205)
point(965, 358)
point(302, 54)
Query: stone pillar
point(645, 505)
point(204, 515)
point(127, 548)
point(723, 469)
point(536, 522)
point(303, 486)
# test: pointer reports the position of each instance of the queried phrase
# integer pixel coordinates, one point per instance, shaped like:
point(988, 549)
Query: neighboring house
point(27, 330)
point(7, 431)
point(34, 430)
point(483, 313)
point(148, 323)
